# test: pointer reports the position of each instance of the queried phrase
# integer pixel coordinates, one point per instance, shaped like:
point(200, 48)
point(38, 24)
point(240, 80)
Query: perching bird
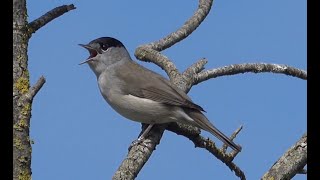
point(140, 94)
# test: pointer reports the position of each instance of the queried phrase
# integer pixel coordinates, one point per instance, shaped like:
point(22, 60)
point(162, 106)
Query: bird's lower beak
point(86, 61)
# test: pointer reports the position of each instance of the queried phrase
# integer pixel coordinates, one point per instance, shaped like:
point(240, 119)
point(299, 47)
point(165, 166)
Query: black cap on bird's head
point(100, 45)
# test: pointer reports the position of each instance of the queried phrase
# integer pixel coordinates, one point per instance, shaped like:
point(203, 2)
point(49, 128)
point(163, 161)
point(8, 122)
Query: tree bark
point(290, 163)
point(21, 85)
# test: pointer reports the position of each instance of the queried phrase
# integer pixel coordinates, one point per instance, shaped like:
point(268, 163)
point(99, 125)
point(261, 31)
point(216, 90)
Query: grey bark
point(21, 109)
point(250, 67)
point(290, 163)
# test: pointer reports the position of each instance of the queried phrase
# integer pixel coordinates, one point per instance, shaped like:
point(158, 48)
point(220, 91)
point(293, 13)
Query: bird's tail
point(201, 120)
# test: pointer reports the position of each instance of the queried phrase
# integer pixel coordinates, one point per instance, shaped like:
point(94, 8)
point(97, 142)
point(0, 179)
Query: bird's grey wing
point(169, 94)
point(147, 84)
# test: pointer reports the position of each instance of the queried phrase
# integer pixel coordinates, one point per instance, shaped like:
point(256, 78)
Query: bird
point(140, 94)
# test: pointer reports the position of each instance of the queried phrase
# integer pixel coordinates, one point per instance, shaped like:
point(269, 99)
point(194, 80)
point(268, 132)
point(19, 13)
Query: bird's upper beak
point(93, 52)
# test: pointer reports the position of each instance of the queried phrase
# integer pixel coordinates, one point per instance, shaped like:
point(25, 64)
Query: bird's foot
point(141, 138)
point(138, 141)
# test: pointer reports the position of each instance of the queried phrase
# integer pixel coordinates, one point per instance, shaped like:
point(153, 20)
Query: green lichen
point(17, 143)
point(22, 159)
point(19, 57)
point(17, 127)
point(24, 175)
point(22, 124)
point(22, 85)
point(26, 109)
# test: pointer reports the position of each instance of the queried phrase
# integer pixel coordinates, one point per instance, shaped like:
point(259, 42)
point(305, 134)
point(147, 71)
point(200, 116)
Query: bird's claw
point(137, 141)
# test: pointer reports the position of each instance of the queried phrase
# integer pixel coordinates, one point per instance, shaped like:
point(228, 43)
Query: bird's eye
point(104, 47)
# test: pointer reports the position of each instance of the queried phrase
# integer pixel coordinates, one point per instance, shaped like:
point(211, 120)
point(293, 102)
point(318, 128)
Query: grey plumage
point(140, 94)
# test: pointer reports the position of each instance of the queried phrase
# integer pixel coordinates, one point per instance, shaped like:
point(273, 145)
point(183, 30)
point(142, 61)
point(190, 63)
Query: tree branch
point(195, 68)
point(49, 16)
point(250, 67)
point(232, 137)
point(150, 52)
point(35, 89)
point(190, 72)
point(189, 26)
point(146, 54)
point(139, 154)
point(206, 143)
point(290, 163)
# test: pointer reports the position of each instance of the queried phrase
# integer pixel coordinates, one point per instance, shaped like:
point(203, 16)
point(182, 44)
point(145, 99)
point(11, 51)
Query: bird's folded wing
point(169, 94)
point(148, 84)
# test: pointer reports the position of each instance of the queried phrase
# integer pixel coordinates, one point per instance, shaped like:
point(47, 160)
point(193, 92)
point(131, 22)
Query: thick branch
point(35, 89)
point(144, 53)
point(138, 155)
point(250, 67)
point(49, 16)
point(201, 142)
point(291, 162)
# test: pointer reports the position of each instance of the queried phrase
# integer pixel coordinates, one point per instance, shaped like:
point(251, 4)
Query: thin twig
point(195, 68)
point(232, 137)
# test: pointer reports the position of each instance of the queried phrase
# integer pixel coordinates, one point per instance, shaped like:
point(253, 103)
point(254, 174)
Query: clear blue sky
point(79, 137)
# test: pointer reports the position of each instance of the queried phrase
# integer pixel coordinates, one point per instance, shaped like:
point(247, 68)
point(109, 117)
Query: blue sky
point(78, 136)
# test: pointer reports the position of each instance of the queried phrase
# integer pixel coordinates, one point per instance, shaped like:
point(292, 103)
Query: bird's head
point(104, 51)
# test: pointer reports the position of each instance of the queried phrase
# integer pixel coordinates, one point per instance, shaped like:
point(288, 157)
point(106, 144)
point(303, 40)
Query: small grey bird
point(140, 94)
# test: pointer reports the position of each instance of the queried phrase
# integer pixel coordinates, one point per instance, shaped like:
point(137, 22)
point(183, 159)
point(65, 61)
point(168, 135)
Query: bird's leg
point(145, 132)
point(141, 137)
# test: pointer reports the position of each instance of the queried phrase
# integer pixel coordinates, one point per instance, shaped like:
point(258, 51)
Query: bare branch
point(150, 52)
point(144, 53)
point(139, 154)
point(291, 162)
point(250, 67)
point(201, 142)
point(189, 26)
point(49, 16)
point(35, 89)
point(233, 135)
point(195, 68)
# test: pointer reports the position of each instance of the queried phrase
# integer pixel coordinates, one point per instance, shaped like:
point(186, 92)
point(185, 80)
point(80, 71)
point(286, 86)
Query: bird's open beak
point(86, 61)
point(93, 52)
